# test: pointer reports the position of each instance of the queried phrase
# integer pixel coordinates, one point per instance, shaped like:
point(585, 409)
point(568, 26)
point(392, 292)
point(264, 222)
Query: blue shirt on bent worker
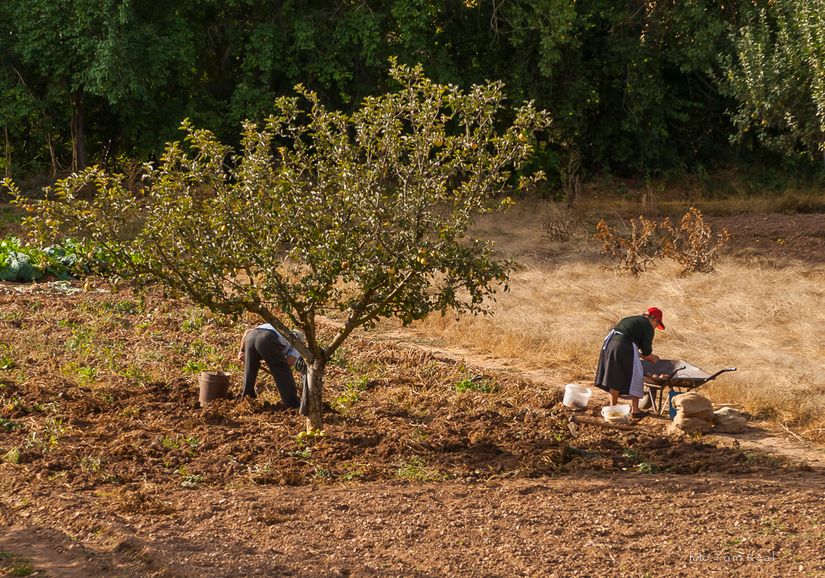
point(288, 349)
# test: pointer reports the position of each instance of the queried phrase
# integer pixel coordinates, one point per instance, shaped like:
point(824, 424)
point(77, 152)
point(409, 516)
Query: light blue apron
point(637, 382)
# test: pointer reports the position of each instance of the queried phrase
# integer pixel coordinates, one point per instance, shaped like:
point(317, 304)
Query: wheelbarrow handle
point(721, 371)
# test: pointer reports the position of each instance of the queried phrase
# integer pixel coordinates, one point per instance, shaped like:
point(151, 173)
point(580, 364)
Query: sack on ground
point(691, 404)
point(689, 425)
point(729, 420)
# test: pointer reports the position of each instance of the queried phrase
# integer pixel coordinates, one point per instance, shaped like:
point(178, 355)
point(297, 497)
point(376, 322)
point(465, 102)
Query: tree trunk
point(570, 179)
point(7, 167)
point(52, 154)
point(314, 393)
point(78, 131)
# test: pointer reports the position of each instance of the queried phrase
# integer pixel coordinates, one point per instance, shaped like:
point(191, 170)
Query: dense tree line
point(633, 87)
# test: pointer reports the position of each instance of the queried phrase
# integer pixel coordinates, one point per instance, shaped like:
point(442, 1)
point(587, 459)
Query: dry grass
point(724, 193)
point(788, 202)
point(765, 321)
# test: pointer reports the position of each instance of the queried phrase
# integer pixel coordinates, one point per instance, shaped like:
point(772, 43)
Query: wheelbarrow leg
point(656, 399)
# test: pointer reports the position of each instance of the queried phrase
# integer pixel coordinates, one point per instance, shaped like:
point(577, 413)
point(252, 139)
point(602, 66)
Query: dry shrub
point(693, 243)
point(559, 223)
point(636, 252)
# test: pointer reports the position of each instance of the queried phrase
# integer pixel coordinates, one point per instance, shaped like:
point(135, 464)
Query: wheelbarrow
point(675, 375)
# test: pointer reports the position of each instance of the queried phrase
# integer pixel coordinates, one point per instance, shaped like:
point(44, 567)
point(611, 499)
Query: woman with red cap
point(620, 366)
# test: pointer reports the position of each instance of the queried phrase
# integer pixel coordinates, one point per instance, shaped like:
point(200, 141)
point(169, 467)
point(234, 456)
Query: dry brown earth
point(775, 236)
point(120, 474)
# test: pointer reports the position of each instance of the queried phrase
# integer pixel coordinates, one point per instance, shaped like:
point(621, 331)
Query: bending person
point(620, 367)
point(264, 342)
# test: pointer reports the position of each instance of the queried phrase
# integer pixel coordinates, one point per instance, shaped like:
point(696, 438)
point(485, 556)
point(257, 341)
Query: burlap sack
point(689, 425)
point(729, 420)
point(691, 404)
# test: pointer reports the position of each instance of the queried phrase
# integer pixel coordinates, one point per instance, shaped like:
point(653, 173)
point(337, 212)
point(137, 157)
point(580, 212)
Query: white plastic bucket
point(616, 413)
point(576, 396)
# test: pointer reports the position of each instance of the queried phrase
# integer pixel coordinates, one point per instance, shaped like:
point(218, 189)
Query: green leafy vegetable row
point(67, 260)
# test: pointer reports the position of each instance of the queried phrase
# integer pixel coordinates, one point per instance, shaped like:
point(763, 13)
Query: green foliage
point(633, 92)
point(778, 77)
point(352, 393)
point(194, 321)
point(6, 358)
point(115, 59)
point(476, 383)
point(47, 437)
point(308, 437)
point(12, 456)
point(189, 479)
point(195, 366)
point(83, 375)
point(416, 469)
point(353, 472)
point(647, 468)
point(15, 565)
point(9, 425)
point(127, 306)
point(19, 263)
point(630, 85)
point(15, 405)
point(90, 464)
point(80, 339)
point(178, 441)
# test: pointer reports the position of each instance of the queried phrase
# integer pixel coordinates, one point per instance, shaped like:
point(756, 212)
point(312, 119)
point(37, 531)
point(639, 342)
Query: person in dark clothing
point(620, 367)
point(264, 342)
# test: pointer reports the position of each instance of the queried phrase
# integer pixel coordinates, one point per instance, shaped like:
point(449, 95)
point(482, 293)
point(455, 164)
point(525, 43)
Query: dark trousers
point(264, 344)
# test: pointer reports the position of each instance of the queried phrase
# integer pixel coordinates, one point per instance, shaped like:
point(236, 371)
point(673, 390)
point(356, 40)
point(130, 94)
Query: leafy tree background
point(777, 75)
point(635, 88)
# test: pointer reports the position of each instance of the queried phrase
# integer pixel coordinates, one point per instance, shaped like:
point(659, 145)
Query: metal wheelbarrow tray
point(680, 375)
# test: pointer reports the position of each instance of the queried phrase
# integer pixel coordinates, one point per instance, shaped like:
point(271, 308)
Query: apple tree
point(359, 216)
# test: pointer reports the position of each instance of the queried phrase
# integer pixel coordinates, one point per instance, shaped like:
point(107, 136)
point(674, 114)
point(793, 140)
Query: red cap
point(656, 314)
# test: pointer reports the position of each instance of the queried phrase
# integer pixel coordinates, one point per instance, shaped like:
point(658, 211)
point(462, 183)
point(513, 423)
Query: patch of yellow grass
point(767, 322)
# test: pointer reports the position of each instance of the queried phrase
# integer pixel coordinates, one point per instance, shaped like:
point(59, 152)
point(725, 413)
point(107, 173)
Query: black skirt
point(615, 369)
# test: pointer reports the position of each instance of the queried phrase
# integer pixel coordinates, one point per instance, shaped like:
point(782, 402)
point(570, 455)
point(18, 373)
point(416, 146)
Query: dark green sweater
point(639, 330)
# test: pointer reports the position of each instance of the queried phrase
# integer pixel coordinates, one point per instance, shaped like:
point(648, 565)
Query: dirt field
point(776, 237)
point(617, 525)
point(434, 463)
point(429, 466)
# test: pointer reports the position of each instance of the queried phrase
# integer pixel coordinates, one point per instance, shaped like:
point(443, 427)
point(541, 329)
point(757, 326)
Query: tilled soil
point(571, 525)
point(778, 238)
point(427, 467)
